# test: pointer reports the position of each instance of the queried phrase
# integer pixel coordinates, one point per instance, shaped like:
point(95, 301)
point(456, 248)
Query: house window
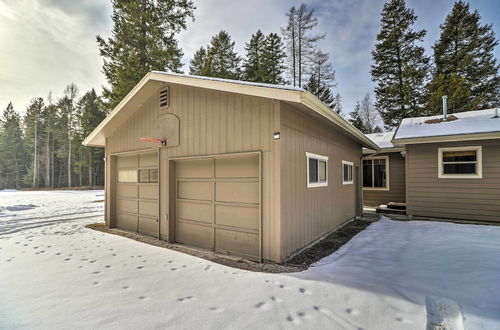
point(317, 170)
point(127, 175)
point(375, 173)
point(347, 172)
point(460, 162)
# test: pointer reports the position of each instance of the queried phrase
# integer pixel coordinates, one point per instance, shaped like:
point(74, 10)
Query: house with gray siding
point(452, 165)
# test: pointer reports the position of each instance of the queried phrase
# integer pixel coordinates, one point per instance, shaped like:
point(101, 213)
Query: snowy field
point(56, 274)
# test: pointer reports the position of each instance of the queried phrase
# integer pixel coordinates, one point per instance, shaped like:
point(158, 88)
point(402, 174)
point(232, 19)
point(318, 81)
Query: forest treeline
point(43, 147)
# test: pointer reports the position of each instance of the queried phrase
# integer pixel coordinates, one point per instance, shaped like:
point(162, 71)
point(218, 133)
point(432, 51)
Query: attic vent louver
point(164, 97)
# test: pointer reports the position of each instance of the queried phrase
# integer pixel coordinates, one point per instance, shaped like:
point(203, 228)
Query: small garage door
point(218, 204)
point(137, 193)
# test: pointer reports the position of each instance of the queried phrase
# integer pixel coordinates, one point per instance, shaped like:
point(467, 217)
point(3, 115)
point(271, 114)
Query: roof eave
point(448, 138)
point(315, 104)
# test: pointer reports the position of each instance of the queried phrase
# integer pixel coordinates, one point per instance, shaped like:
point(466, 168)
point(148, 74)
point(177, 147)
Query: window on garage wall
point(347, 168)
point(317, 170)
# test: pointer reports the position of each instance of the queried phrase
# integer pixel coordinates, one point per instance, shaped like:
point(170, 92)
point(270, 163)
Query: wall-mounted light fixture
point(403, 153)
point(277, 135)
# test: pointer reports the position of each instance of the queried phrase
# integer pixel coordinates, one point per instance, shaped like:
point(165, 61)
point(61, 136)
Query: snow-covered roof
point(239, 82)
point(463, 123)
point(383, 140)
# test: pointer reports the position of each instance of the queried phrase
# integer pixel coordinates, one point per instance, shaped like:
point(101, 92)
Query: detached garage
point(253, 170)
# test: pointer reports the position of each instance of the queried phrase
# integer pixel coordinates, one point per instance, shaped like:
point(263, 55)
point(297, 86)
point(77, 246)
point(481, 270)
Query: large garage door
point(137, 193)
point(218, 204)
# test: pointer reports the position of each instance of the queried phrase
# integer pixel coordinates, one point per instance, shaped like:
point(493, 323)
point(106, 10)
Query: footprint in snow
point(185, 299)
point(353, 312)
point(217, 309)
point(260, 305)
point(304, 291)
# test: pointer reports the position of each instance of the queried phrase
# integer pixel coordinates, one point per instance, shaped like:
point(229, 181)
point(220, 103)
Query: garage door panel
point(127, 161)
point(237, 167)
point(237, 192)
point(149, 159)
point(195, 190)
point(194, 211)
point(194, 234)
point(125, 190)
point(148, 226)
point(242, 217)
point(148, 192)
point(148, 208)
point(126, 221)
point(127, 205)
point(237, 242)
point(202, 168)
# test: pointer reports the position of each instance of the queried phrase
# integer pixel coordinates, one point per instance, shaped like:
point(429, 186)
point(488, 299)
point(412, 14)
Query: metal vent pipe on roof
point(496, 113)
point(445, 109)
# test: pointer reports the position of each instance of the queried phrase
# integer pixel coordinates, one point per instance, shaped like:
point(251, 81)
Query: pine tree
point(355, 119)
point(199, 65)
point(465, 65)
point(273, 57)
point(300, 43)
point(33, 132)
point(364, 116)
point(223, 61)
point(12, 155)
point(252, 67)
point(90, 114)
point(400, 66)
point(321, 91)
point(143, 39)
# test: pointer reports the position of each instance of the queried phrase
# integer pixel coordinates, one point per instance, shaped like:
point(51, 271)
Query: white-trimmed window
point(347, 168)
point(317, 170)
point(460, 162)
point(376, 173)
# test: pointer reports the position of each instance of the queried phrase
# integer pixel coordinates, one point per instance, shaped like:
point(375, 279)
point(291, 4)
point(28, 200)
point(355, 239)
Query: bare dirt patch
point(302, 261)
point(440, 120)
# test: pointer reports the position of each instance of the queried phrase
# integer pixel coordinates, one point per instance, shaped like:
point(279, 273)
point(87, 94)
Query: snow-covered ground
point(56, 274)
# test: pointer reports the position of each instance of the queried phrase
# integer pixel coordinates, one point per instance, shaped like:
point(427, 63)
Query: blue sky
point(47, 44)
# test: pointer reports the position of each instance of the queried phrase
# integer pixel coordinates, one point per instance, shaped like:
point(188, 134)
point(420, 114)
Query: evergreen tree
point(12, 155)
point(321, 91)
point(252, 66)
point(399, 66)
point(223, 61)
point(355, 119)
point(465, 49)
point(90, 114)
point(199, 65)
point(337, 107)
point(143, 39)
point(273, 57)
point(33, 132)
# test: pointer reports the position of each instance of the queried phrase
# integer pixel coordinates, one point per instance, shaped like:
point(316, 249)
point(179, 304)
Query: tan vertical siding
point(397, 183)
point(211, 123)
point(470, 199)
point(309, 213)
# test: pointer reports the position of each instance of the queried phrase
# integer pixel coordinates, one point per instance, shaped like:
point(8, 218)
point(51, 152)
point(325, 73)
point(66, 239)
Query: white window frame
point(387, 173)
point(351, 164)
point(319, 158)
point(479, 163)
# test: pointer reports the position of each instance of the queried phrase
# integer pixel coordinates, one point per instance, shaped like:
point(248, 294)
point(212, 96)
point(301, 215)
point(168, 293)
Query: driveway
point(56, 274)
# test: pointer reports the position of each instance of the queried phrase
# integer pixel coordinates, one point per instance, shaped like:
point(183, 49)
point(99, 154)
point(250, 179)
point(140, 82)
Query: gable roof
point(153, 80)
point(462, 126)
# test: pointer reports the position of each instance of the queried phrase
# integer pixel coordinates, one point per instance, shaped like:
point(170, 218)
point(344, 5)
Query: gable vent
point(164, 97)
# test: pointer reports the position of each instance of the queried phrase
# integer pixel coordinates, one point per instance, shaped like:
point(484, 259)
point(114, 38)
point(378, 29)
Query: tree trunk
point(35, 160)
point(90, 167)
